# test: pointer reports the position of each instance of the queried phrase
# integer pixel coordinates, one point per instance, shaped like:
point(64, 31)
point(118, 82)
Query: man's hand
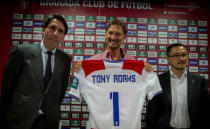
point(76, 67)
point(148, 67)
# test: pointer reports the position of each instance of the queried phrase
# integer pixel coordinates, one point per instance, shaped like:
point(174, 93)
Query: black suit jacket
point(160, 107)
point(23, 87)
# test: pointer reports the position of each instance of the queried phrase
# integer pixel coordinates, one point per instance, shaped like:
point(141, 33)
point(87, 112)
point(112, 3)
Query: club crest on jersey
point(75, 83)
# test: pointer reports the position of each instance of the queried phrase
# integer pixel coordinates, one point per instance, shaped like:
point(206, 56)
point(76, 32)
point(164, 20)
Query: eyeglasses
point(179, 56)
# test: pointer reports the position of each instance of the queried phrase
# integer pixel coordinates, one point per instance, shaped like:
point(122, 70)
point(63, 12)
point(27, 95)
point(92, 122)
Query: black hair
point(56, 16)
point(174, 45)
point(119, 23)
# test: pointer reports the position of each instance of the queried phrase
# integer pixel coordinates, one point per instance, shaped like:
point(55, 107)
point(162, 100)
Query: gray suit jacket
point(23, 87)
point(160, 107)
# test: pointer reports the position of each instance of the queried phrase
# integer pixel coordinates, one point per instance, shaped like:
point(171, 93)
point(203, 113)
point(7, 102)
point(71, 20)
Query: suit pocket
point(16, 107)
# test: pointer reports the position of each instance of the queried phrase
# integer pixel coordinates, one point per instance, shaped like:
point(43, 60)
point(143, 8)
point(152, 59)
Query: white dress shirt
point(179, 115)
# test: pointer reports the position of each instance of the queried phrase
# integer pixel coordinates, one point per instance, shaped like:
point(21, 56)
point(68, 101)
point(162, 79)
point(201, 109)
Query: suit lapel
point(58, 66)
point(167, 86)
point(190, 85)
point(37, 65)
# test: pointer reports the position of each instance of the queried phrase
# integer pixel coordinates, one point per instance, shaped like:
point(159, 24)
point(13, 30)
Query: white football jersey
point(115, 92)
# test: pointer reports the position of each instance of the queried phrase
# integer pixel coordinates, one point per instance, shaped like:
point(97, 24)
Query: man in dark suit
point(35, 81)
point(184, 102)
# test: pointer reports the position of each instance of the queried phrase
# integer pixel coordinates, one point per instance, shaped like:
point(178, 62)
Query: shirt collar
point(44, 49)
point(175, 76)
point(109, 56)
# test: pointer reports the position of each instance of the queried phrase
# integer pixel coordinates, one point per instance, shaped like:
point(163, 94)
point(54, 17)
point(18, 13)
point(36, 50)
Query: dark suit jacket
point(23, 87)
point(159, 108)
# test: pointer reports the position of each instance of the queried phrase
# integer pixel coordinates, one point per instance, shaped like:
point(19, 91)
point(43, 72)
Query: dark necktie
point(48, 74)
point(48, 70)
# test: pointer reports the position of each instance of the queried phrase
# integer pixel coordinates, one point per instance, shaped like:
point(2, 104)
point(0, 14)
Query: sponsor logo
point(152, 21)
point(89, 51)
point(162, 61)
point(162, 21)
point(193, 36)
point(79, 31)
point(193, 55)
point(142, 53)
point(71, 24)
point(182, 35)
point(74, 122)
point(75, 115)
point(78, 51)
point(203, 36)
point(193, 49)
point(152, 27)
point(162, 28)
point(27, 36)
point(152, 34)
point(65, 108)
point(90, 31)
point(17, 16)
point(152, 40)
point(152, 47)
point(193, 42)
point(131, 33)
point(100, 38)
point(172, 35)
point(203, 69)
point(192, 29)
point(27, 29)
point(183, 41)
point(69, 37)
point(100, 32)
point(142, 20)
point(203, 62)
point(182, 22)
point(80, 18)
point(89, 45)
point(38, 23)
point(90, 25)
point(131, 39)
point(152, 60)
point(37, 30)
point(131, 20)
point(131, 46)
point(152, 54)
point(39, 17)
point(132, 53)
point(172, 28)
point(193, 62)
point(162, 41)
point(79, 37)
point(182, 28)
point(142, 33)
point(101, 18)
point(100, 45)
point(142, 40)
point(193, 69)
point(79, 45)
point(78, 58)
point(17, 23)
point(17, 29)
point(203, 56)
point(142, 27)
point(162, 54)
point(91, 18)
point(203, 49)
point(163, 68)
point(28, 23)
point(162, 47)
point(172, 22)
point(132, 26)
point(80, 24)
point(101, 25)
point(202, 29)
point(202, 23)
point(142, 47)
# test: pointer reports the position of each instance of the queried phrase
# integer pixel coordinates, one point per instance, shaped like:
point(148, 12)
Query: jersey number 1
point(115, 99)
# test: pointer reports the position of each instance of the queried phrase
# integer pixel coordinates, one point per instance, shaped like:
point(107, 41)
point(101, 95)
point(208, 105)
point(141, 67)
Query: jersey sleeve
point(152, 82)
point(78, 81)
